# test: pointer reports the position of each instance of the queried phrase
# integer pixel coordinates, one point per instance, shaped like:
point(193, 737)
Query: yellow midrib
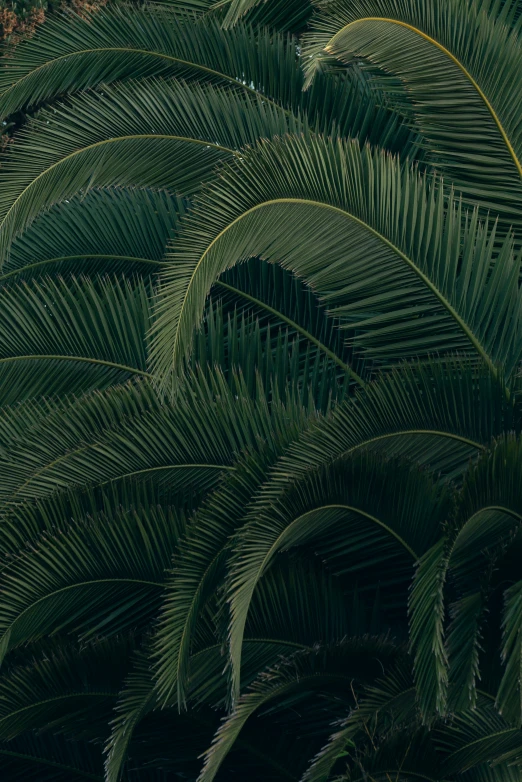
point(455, 60)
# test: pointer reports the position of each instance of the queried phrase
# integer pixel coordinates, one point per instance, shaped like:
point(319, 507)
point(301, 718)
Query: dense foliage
point(260, 395)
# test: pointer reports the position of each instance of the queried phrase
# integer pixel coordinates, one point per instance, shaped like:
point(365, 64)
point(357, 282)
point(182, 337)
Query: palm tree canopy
point(260, 392)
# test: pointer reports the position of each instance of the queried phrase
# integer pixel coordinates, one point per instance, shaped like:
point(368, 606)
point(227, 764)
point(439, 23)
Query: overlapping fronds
point(460, 66)
point(260, 393)
point(401, 265)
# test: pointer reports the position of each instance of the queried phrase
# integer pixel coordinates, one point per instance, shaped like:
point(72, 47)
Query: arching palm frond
point(202, 557)
point(459, 65)
point(460, 565)
point(67, 55)
point(49, 758)
point(439, 414)
point(132, 432)
point(264, 316)
point(384, 275)
point(111, 231)
point(115, 45)
point(49, 328)
point(113, 580)
point(296, 605)
point(354, 507)
point(337, 671)
point(160, 134)
point(85, 679)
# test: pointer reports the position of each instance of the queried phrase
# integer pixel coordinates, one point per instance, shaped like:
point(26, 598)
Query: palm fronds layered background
point(260, 409)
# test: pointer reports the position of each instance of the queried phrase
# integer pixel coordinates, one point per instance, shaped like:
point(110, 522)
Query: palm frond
point(202, 557)
point(510, 690)
point(159, 134)
point(102, 575)
point(79, 52)
point(278, 13)
point(426, 607)
point(488, 516)
point(67, 55)
point(358, 498)
point(460, 67)
point(70, 690)
point(439, 414)
point(48, 758)
point(132, 432)
point(49, 327)
point(390, 701)
point(296, 606)
point(291, 15)
point(419, 285)
point(325, 669)
point(110, 231)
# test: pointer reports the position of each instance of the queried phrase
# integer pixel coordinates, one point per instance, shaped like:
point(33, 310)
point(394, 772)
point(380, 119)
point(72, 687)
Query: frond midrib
point(454, 59)
point(84, 257)
point(307, 334)
point(345, 213)
point(233, 80)
point(83, 359)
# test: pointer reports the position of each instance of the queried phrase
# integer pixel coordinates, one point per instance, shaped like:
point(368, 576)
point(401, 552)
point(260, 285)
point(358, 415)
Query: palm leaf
point(49, 327)
point(132, 432)
point(295, 606)
point(277, 13)
point(414, 286)
point(439, 414)
point(295, 680)
point(117, 44)
point(390, 701)
point(291, 15)
point(202, 557)
point(359, 499)
point(509, 693)
point(69, 690)
point(184, 130)
point(489, 514)
point(105, 231)
point(112, 581)
point(130, 42)
point(48, 758)
point(463, 83)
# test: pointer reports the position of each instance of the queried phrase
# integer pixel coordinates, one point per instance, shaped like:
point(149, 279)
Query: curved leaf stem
point(297, 327)
point(411, 264)
point(455, 60)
